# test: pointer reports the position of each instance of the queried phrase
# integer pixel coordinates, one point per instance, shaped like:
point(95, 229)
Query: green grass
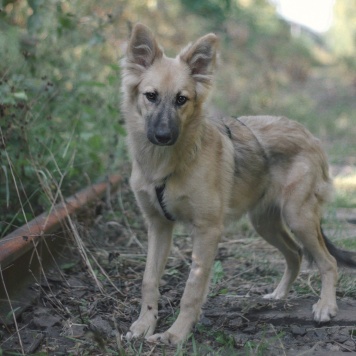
point(348, 243)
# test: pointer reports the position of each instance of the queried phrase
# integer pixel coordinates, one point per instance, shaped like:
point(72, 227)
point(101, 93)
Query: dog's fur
point(206, 170)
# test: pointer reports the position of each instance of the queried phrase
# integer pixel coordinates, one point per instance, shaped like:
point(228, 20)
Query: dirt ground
point(72, 314)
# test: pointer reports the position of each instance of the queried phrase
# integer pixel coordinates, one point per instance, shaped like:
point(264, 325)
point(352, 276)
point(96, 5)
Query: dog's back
point(270, 154)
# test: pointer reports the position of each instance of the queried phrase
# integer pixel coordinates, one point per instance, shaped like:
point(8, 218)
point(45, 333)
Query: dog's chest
point(173, 204)
point(174, 201)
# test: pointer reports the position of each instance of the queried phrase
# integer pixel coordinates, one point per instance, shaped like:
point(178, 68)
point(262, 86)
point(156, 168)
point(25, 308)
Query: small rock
point(250, 329)
point(46, 321)
point(235, 323)
point(310, 335)
point(321, 334)
point(340, 338)
point(205, 321)
point(333, 347)
point(77, 330)
point(241, 339)
point(101, 326)
point(298, 330)
point(350, 344)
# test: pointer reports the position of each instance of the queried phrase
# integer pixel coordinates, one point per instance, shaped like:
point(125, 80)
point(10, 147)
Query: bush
point(59, 105)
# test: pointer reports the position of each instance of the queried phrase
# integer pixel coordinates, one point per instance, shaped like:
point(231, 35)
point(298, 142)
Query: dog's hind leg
point(269, 224)
point(159, 244)
point(304, 221)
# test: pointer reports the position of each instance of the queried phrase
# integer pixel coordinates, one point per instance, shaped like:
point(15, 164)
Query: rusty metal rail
point(23, 239)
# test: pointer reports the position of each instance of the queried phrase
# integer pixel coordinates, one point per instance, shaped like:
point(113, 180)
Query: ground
point(72, 314)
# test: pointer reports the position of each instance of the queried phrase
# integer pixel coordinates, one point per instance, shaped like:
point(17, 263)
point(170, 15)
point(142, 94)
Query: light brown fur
point(269, 167)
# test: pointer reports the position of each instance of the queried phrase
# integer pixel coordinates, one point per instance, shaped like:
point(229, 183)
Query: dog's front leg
point(159, 244)
point(205, 244)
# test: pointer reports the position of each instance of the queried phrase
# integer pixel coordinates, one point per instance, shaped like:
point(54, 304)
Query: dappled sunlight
point(346, 183)
point(345, 188)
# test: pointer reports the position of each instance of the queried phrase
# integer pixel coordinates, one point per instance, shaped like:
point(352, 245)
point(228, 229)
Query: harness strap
point(160, 194)
point(228, 131)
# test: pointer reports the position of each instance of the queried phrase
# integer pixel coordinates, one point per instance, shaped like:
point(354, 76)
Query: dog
point(190, 168)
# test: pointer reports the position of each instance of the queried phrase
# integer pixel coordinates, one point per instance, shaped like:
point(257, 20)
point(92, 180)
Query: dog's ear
point(201, 57)
point(142, 49)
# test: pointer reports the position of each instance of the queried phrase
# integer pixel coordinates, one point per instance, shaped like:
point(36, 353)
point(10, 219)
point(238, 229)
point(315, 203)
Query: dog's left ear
point(201, 57)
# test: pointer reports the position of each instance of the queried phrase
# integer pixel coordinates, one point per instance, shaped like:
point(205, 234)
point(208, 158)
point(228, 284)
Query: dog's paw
point(165, 338)
point(323, 311)
point(276, 295)
point(144, 326)
point(135, 333)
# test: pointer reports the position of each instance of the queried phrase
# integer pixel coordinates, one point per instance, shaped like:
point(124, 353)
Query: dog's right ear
point(142, 49)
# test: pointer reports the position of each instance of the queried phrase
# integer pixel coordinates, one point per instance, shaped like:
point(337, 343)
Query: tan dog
point(189, 168)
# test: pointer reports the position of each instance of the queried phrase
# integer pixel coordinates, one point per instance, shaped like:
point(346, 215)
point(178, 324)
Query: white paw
point(129, 335)
point(143, 326)
point(323, 311)
point(275, 295)
point(165, 338)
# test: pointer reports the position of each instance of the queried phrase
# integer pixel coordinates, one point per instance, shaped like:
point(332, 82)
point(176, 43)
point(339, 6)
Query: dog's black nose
point(163, 132)
point(163, 136)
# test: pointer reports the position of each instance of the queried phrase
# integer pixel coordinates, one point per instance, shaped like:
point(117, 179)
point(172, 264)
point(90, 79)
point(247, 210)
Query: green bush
point(59, 105)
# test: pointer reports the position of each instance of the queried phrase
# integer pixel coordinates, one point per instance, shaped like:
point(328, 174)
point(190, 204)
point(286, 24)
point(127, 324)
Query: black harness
point(160, 189)
point(228, 131)
point(159, 195)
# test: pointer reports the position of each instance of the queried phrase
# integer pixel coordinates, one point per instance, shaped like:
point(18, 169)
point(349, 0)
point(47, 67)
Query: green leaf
point(114, 66)
point(223, 291)
point(95, 142)
point(67, 266)
point(21, 95)
point(218, 272)
point(11, 313)
point(67, 21)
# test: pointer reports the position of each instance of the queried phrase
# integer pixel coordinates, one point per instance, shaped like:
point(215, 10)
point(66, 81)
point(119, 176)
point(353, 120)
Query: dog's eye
point(181, 100)
point(151, 96)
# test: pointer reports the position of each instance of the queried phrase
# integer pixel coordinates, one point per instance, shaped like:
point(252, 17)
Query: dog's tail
point(343, 257)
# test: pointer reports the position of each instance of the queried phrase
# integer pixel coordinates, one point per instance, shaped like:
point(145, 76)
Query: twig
point(238, 275)
point(12, 311)
point(180, 254)
point(310, 286)
point(343, 346)
point(35, 343)
point(280, 341)
point(151, 351)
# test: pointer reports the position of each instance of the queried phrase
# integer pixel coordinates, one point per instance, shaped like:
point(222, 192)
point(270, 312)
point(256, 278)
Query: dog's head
point(167, 92)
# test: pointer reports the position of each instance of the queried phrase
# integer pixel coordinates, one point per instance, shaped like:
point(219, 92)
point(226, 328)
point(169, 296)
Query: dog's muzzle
point(164, 137)
point(163, 134)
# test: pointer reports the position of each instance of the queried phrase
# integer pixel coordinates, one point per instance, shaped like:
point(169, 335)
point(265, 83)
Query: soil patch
point(81, 310)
